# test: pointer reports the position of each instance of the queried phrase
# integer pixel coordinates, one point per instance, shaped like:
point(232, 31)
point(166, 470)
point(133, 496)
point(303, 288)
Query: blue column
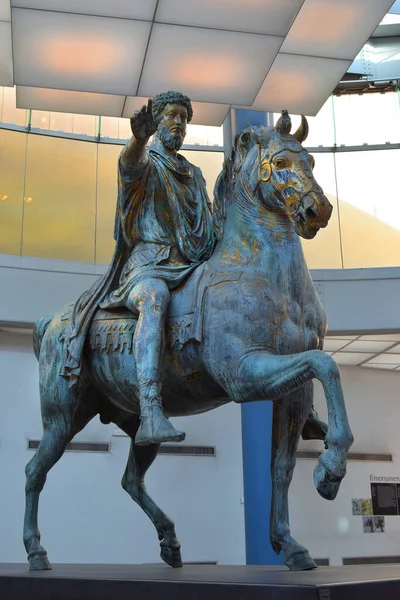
point(256, 435)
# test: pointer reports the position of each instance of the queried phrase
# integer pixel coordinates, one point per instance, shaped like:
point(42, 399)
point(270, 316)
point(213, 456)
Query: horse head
point(271, 165)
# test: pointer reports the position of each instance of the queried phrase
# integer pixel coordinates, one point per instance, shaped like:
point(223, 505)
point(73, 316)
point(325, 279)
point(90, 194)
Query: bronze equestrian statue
point(242, 324)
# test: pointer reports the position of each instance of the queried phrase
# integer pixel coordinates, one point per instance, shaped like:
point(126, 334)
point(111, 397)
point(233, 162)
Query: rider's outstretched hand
point(143, 124)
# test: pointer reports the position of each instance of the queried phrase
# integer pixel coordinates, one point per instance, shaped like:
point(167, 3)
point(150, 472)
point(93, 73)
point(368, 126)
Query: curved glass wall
point(58, 192)
point(58, 189)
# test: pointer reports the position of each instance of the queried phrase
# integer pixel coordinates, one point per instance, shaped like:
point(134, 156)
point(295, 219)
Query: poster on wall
point(356, 506)
point(384, 501)
point(361, 506)
point(379, 524)
point(368, 524)
point(385, 494)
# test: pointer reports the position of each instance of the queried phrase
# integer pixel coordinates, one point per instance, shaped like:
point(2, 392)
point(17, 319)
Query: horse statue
point(246, 326)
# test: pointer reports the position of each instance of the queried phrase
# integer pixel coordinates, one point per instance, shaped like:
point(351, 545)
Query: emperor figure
point(163, 231)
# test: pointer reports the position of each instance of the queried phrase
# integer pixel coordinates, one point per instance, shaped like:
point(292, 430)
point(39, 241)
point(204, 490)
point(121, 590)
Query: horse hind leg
point(57, 433)
point(289, 417)
point(140, 459)
point(61, 421)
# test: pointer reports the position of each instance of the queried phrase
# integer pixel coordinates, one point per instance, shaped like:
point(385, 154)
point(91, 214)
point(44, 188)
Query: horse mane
point(243, 143)
point(222, 193)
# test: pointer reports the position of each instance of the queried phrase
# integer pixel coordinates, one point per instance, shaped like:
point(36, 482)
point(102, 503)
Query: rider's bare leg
point(151, 298)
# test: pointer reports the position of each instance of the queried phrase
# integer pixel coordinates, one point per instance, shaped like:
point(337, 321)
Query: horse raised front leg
point(270, 377)
point(140, 459)
point(290, 414)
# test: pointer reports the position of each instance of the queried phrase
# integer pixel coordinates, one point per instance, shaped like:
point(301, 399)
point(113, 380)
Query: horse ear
point(284, 123)
point(243, 143)
point(302, 132)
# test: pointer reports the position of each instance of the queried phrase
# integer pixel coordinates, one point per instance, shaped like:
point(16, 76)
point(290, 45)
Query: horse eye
point(280, 164)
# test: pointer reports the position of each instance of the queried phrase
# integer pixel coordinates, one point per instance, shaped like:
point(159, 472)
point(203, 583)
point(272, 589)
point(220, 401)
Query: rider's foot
point(314, 428)
point(155, 427)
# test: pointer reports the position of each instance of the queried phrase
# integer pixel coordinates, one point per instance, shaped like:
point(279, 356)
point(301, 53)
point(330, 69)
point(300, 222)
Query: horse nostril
point(311, 214)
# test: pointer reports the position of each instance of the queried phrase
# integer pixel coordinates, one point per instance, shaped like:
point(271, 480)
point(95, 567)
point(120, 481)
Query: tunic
point(163, 229)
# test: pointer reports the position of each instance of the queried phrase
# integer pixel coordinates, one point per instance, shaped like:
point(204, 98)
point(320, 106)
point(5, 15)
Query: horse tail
point(39, 330)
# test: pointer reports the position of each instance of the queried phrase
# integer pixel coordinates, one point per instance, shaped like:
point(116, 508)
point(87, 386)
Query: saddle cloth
point(113, 330)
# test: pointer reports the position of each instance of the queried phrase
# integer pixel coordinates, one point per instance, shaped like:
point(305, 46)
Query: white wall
point(328, 529)
point(85, 516)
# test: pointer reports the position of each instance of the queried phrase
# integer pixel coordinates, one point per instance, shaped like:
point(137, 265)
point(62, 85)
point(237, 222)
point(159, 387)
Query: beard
point(172, 141)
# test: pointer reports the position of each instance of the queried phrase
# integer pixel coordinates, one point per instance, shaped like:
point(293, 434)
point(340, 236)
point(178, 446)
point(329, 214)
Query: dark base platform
point(159, 582)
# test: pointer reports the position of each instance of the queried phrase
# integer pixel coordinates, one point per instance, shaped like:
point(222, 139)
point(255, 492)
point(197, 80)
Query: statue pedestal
point(195, 582)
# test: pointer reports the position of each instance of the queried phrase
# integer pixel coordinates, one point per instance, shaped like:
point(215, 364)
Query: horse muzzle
point(313, 214)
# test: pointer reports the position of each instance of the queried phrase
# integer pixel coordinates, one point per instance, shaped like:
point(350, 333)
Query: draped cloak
point(163, 229)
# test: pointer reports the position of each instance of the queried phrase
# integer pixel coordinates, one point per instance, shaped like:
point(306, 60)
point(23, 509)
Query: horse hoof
point(171, 556)
point(39, 562)
point(327, 483)
point(301, 561)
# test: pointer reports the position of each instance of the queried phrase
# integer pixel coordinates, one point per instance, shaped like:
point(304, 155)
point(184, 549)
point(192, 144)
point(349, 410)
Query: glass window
point(41, 119)
point(85, 125)
point(124, 129)
point(12, 167)
point(12, 114)
point(321, 127)
point(324, 252)
point(203, 135)
point(61, 122)
point(115, 128)
point(369, 203)
point(210, 164)
point(60, 199)
point(107, 187)
point(109, 127)
point(1, 103)
point(367, 119)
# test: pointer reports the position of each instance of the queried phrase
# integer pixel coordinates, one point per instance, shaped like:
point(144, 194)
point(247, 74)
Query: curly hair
point(161, 100)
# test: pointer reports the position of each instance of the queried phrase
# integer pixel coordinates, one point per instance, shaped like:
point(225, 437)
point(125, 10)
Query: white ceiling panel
point(334, 345)
point(204, 113)
point(299, 84)
point(6, 63)
point(334, 28)
point(350, 358)
point(83, 103)
point(207, 65)
point(390, 337)
point(388, 359)
point(79, 53)
point(273, 17)
point(128, 9)
point(395, 349)
point(374, 366)
point(5, 12)
point(367, 346)
point(133, 104)
point(341, 337)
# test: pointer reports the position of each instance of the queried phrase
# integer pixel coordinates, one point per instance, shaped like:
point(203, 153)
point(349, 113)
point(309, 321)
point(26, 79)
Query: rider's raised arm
point(143, 126)
point(134, 152)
